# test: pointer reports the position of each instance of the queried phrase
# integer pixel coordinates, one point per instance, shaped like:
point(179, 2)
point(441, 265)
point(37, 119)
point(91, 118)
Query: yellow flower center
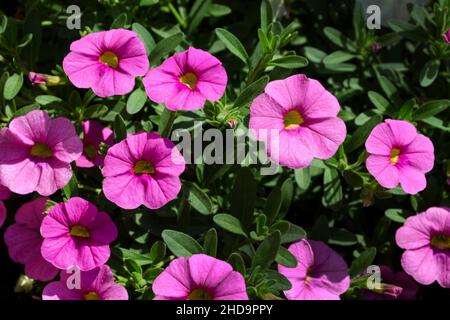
point(79, 231)
point(109, 58)
point(200, 294)
point(441, 241)
point(189, 79)
point(90, 151)
point(394, 155)
point(293, 119)
point(91, 296)
point(143, 167)
point(41, 150)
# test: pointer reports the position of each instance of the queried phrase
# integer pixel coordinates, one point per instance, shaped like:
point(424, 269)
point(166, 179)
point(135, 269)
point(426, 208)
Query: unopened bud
point(40, 78)
point(24, 284)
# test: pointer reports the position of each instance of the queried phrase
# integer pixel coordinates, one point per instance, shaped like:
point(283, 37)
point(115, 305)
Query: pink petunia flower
point(321, 273)
point(96, 284)
point(395, 285)
point(186, 80)
point(446, 36)
point(39, 150)
point(107, 62)
point(398, 154)
point(94, 134)
point(76, 234)
point(199, 277)
point(297, 119)
point(426, 238)
point(142, 169)
point(40, 78)
point(24, 240)
point(5, 193)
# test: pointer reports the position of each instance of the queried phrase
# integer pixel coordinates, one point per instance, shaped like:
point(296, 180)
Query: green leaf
point(145, 36)
point(332, 189)
point(12, 86)
point(338, 38)
point(166, 122)
point(287, 192)
point(293, 234)
point(290, 62)
point(315, 55)
point(164, 47)
point(321, 230)
point(388, 87)
point(158, 251)
point(340, 67)
point(303, 178)
point(285, 258)
point(136, 101)
point(248, 94)
point(266, 15)
point(71, 189)
point(119, 22)
point(95, 111)
point(430, 108)
point(198, 199)
point(237, 262)
point(232, 43)
point(360, 264)
point(120, 129)
point(133, 254)
point(24, 110)
point(342, 237)
point(198, 12)
point(429, 73)
point(395, 215)
point(145, 3)
point(273, 205)
point(218, 10)
point(180, 243)
point(210, 243)
point(360, 136)
point(47, 99)
point(267, 251)
point(338, 57)
point(280, 282)
point(229, 223)
point(378, 101)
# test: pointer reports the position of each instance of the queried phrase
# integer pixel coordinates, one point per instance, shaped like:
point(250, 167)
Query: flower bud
point(46, 79)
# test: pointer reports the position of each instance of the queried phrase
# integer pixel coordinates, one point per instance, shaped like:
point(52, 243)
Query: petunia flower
point(38, 153)
point(199, 277)
point(5, 193)
point(320, 274)
point(94, 134)
point(24, 240)
point(399, 154)
point(76, 234)
point(297, 119)
point(40, 78)
point(107, 62)
point(96, 284)
point(142, 169)
point(395, 285)
point(426, 238)
point(446, 36)
point(186, 80)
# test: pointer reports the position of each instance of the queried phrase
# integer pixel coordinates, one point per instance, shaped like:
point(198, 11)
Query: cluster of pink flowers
point(296, 117)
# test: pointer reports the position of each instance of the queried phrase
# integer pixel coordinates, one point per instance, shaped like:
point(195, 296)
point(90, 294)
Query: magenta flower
point(395, 285)
point(142, 169)
point(24, 240)
point(107, 62)
point(199, 277)
point(76, 234)
point(297, 118)
point(39, 151)
point(446, 36)
point(94, 134)
point(321, 273)
point(426, 238)
point(186, 80)
point(5, 193)
point(398, 154)
point(96, 284)
point(40, 78)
